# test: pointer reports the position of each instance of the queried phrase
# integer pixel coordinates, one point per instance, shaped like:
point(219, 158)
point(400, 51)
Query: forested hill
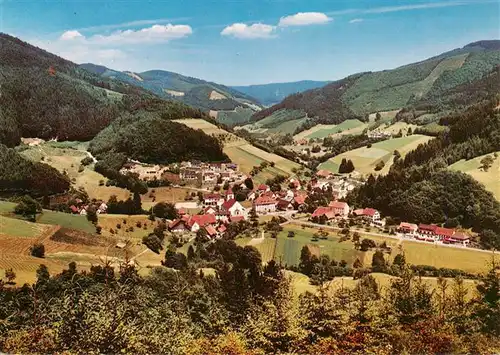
point(420, 188)
point(435, 84)
point(46, 96)
point(270, 94)
point(195, 92)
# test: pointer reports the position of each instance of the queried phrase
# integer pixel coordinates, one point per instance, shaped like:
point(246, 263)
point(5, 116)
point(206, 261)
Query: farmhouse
point(339, 208)
point(323, 211)
point(201, 220)
point(213, 200)
point(264, 204)
point(426, 229)
point(408, 228)
point(370, 214)
point(263, 188)
point(284, 205)
point(179, 225)
point(457, 238)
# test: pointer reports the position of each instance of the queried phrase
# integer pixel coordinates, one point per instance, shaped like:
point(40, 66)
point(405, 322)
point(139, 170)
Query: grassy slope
point(240, 151)
point(490, 179)
point(365, 159)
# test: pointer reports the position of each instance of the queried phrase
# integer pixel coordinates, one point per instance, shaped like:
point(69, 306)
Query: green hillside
point(49, 97)
point(195, 92)
point(456, 78)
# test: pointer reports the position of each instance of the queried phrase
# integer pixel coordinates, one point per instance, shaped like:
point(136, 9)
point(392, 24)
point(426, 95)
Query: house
point(427, 229)
point(234, 208)
point(211, 231)
point(103, 208)
point(408, 228)
point(213, 200)
point(264, 204)
point(74, 209)
point(284, 205)
point(444, 233)
point(222, 229)
point(298, 201)
point(294, 183)
point(369, 214)
point(179, 225)
point(324, 174)
point(339, 208)
point(263, 188)
point(210, 210)
point(324, 211)
point(201, 220)
point(457, 238)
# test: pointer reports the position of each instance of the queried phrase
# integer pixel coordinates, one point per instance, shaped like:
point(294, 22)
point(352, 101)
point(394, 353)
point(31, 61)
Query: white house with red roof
point(339, 208)
point(201, 220)
point(265, 204)
point(370, 214)
point(234, 208)
point(408, 228)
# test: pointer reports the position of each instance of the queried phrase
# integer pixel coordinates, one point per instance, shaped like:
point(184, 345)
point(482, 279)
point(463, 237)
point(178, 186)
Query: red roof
point(337, 204)
point(460, 236)
point(263, 187)
point(264, 200)
point(359, 212)
point(208, 209)
point(212, 197)
point(427, 227)
point(73, 209)
point(210, 230)
point(222, 228)
point(323, 173)
point(327, 211)
point(283, 203)
point(446, 232)
point(175, 222)
point(236, 218)
point(406, 225)
point(228, 204)
point(369, 212)
point(229, 191)
point(300, 200)
point(181, 211)
point(203, 219)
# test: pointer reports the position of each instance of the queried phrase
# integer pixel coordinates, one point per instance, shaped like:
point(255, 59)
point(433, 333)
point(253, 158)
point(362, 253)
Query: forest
point(20, 176)
point(243, 307)
point(419, 188)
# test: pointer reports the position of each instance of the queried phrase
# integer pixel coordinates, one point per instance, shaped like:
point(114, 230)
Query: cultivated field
point(490, 179)
point(320, 131)
point(365, 159)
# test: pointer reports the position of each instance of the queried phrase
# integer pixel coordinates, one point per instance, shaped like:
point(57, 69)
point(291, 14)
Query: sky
point(242, 42)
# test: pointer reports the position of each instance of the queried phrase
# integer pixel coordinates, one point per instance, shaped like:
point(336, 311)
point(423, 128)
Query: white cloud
point(71, 35)
point(129, 24)
point(244, 31)
point(155, 33)
point(356, 20)
point(304, 19)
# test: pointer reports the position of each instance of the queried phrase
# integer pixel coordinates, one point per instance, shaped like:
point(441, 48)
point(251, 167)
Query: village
point(229, 196)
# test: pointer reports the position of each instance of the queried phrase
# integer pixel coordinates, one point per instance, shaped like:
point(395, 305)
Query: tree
point(137, 203)
point(357, 264)
point(399, 260)
point(409, 132)
point(191, 255)
point(92, 215)
point(489, 308)
point(378, 262)
point(37, 250)
point(28, 208)
point(249, 183)
point(291, 234)
point(378, 116)
point(380, 165)
point(10, 275)
point(152, 242)
point(165, 210)
point(367, 244)
point(316, 149)
point(486, 162)
point(253, 217)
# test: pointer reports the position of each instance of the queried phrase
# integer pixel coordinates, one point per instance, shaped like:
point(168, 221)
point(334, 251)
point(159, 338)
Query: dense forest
point(21, 176)
point(419, 188)
point(243, 308)
point(48, 97)
point(149, 138)
point(324, 105)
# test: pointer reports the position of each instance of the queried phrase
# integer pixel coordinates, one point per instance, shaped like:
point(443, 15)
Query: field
point(344, 128)
point(238, 116)
point(287, 250)
point(365, 159)
point(490, 179)
point(288, 127)
point(66, 156)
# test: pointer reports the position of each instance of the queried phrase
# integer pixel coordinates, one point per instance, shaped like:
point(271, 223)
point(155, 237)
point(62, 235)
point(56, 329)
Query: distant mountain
point(195, 92)
point(270, 94)
point(440, 83)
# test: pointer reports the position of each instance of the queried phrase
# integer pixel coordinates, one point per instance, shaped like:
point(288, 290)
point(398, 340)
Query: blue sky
point(239, 42)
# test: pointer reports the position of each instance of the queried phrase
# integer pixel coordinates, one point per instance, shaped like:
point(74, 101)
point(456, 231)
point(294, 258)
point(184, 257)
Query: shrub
point(37, 250)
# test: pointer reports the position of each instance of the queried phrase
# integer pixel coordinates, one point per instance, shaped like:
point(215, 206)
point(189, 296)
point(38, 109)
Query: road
point(288, 215)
